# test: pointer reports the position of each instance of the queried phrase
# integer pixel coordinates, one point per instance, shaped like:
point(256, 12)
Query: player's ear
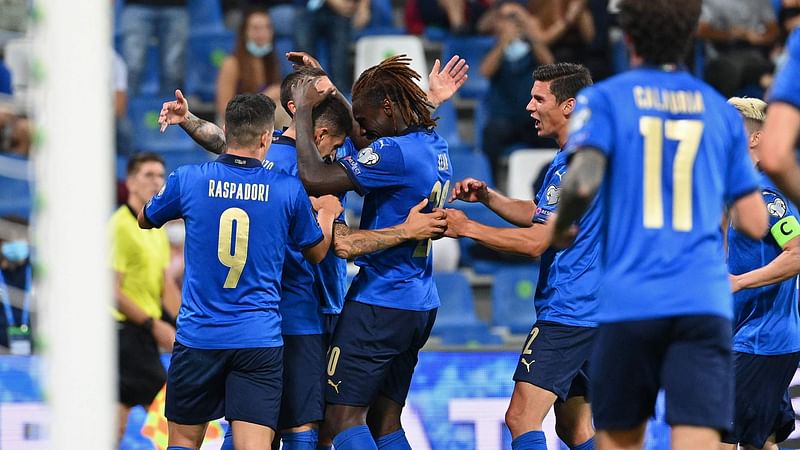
point(568, 106)
point(291, 107)
point(319, 133)
point(387, 107)
point(755, 138)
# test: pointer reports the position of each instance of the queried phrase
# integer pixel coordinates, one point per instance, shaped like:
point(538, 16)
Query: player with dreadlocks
point(392, 303)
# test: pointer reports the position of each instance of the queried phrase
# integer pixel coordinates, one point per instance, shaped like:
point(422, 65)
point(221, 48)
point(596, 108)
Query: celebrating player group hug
point(634, 295)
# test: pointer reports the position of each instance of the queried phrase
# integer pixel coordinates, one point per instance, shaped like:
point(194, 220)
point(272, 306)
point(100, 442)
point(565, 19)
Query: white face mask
point(259, 50)
point(516, 50)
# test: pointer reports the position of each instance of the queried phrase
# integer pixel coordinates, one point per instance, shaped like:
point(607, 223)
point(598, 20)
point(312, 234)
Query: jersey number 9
point(232, 244)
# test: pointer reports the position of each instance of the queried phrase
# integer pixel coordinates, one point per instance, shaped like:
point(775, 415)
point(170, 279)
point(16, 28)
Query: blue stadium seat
point(381, 21)
point(143, 113)
point(480, 117)
point(456, 321)
point(474, 164)
point(473, 50)
point(151, 77)
point(207, 49)
point(283, 45)
point(15, 193)
point(205, 14)
point(512, 299)
point(175, 159)
point(447, 125)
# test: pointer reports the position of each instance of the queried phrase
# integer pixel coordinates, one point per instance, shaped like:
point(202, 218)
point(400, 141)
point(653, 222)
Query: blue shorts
point(329, 322)
point(374, 352)
point(555, 357)
point(688, 356)
point(239, 384)
point(763, 405)
point(303, 366)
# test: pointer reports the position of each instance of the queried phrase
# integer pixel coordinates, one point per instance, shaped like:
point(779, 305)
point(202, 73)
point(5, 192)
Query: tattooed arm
point(584, 176)
point(205, 133)
point(349, 243)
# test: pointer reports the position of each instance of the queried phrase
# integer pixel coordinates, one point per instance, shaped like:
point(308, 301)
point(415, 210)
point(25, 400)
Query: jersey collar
point(238, 161)
point(285, 140)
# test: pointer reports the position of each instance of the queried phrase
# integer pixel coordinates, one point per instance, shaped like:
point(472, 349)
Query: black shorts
point(688, 356)
point(141, 373)
point(303, 367)
point(555, 357)
point(374, 352)
point(329, 322)
point(763, 405)
point(239, 384)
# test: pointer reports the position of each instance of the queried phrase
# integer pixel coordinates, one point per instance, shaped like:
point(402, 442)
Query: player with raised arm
point(766, 340)
point(306, 287)
point(561, 340)
point(676, 154)
point(392, 303)
point(782, 126)
point(228, 356)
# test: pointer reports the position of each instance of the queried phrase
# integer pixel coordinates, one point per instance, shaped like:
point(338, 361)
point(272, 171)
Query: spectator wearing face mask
point(15, 283)
point(253, 66)
point(509, 67)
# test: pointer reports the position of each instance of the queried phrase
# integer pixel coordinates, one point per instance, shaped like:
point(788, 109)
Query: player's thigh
point(762, 407)
point(196, 385)
point(397, 381)
point(253, 386)
point(251, 436)
point(528, 407)
point(189, 436)
point(697, 373)
point(632, 439)
point(574, 420)
point(367, 340)
point(384, 416)
point(624, 373)
point(553, 355)
point(689, 437)
point(303, 369)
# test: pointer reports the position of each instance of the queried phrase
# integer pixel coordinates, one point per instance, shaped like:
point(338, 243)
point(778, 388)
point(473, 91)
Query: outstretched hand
point(469, 190)
point(174, 112)
point(444, 83)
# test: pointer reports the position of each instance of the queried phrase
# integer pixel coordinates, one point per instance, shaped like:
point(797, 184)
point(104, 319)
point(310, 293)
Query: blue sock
point(588, 445)
point(227, 444)
point(532, 440)
point(355, 438)
point(175, 447)
point(304, 440)
point(393, 441)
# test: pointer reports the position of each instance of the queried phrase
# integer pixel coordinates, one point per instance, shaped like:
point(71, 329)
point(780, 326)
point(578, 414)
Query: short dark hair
point(566, 79)
point(135, 162)
point(292, 78)
point(661, 30)
point(247, 117)
point(333, 114)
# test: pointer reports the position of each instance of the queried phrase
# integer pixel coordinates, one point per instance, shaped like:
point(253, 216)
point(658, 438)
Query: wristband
point(148, 324)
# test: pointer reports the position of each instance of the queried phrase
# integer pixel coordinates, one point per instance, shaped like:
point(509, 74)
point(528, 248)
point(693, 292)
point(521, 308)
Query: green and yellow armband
point(785, 230)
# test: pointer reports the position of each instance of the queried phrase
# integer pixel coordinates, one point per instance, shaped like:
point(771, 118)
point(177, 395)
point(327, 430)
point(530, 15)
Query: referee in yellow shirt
point(139, 259)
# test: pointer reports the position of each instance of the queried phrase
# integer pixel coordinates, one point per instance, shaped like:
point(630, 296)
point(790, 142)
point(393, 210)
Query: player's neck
point(135, 203)
point(562, 136)
point(291, 131)
point(246, 153)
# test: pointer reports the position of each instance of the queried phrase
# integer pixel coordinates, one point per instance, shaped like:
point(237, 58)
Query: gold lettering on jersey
point(674, 102)
point(238, 191)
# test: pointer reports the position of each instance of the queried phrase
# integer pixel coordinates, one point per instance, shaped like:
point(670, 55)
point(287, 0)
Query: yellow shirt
point(141, 257)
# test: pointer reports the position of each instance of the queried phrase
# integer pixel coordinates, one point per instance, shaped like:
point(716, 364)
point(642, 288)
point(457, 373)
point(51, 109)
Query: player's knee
point(384, 417)
point(574, 433)
point(518, 421)
point(339, 418)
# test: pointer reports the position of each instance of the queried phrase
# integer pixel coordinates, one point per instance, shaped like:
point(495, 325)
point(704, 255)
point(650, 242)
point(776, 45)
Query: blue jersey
point(231, 285)
point(786, 87)
point(394, 174)
point(677, 153)
point(766, 320)
point(570, 278)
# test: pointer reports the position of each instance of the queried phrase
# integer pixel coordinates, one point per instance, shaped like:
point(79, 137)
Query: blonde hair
point(750, 108)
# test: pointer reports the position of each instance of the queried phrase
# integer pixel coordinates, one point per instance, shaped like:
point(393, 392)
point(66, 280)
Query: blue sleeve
point(741, 175)
point(548, 196)
point(786, 87)
point(304, 229)
point(591, 123)
point(166, 205)
point(378, 166)
point(777, 206)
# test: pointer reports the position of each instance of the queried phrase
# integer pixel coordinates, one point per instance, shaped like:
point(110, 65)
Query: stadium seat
point(207, 49)
point(523, 167)
point(283, 45)
point(447, 125)
point(473, 164)
point(143, 113)
point(456, 320)
point(480, 117)
point(512, 299)
point(371, 50)
point(15, 190)
point(381, 20)
point(177, 158)
point(473, 50)
point(205, 14)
